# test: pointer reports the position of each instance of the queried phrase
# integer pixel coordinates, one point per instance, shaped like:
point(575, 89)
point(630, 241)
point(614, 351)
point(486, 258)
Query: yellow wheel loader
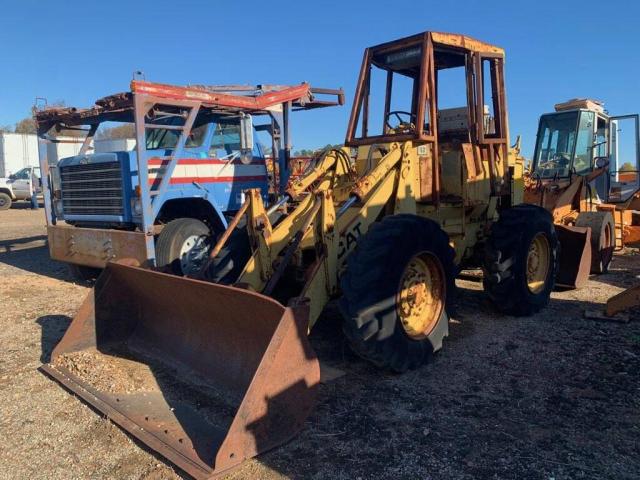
point(213, 370)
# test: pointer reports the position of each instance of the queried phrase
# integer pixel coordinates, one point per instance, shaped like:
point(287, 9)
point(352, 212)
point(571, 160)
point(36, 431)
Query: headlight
point(57, 208)
point(137, 206)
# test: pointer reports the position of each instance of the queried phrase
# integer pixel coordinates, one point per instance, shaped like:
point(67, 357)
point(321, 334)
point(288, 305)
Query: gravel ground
point(549, 396)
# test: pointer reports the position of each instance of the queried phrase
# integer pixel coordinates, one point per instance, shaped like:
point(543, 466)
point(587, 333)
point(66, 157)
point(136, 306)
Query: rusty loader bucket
point(575, 256)
point(206, 375)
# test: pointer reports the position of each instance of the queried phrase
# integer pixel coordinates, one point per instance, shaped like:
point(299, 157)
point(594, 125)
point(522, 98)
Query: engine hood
point(93, 158)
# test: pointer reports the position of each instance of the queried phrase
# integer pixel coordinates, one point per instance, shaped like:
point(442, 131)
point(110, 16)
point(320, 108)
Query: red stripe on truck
point(182, 180)
point(156, 162)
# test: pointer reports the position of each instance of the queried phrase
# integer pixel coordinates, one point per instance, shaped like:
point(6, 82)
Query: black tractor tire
point(229, 263)
point(602, 238)
point(507, 256)
point(370, 288)
point(84, 274)
point(171, 240)
point(5, 201)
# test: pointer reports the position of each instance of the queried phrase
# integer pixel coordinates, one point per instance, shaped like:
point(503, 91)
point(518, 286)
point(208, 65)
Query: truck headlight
point(57, 208)
point(137, 206)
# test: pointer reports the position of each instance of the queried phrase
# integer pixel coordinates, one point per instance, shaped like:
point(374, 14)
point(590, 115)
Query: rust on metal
point(624, 300)
point(575, 256)
point(231, 100)
point(94, 247)
point(226, 373)
point(465, 42)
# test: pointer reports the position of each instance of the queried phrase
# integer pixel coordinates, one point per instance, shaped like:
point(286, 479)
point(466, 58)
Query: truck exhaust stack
point(206, 375)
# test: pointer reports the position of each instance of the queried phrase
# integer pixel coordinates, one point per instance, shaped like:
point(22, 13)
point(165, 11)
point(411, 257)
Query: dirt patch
point(108, 373)
point(553, 395)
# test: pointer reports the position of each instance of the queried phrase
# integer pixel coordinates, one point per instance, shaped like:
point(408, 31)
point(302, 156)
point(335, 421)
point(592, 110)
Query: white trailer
point(19, 163)
point(20, 150)
point(17, 150)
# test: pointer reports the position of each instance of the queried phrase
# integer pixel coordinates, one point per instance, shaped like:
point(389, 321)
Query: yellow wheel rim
point(538, 263)
point(421, 295)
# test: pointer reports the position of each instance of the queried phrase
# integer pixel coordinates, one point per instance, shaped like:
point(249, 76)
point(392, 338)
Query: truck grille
point(92, 189)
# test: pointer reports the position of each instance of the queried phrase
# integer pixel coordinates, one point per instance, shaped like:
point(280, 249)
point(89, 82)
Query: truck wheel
point(395, 292)
point(521, 260)
point(5, 201)
point(602, 238)
point(183, 246)
point(84, 274)
point(229, 263)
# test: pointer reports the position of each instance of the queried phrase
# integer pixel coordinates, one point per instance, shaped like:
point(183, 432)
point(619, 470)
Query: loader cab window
point(555, 144)
point(564, 144)
point(451, 94)
point(583, 156)
point(600, 147)
point(624, 156)
point(390, 92)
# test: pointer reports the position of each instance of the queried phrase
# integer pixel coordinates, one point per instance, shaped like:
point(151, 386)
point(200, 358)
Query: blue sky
point(80, 51)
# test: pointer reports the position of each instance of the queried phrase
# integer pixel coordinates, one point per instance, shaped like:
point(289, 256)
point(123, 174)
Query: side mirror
point(602, 162)
point(12, 177)
point(246, 139)
point(246, 132)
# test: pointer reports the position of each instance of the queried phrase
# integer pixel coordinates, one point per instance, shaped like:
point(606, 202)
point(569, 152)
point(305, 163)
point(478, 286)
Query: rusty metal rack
point(149, 105)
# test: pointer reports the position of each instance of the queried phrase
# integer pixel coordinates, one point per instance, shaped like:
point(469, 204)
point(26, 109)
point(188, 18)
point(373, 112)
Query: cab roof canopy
point(445, 46)
point(216, 100)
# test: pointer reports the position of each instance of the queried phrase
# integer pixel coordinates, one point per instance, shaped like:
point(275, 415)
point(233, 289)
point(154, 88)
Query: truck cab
point(99, 190)
point(164, 202)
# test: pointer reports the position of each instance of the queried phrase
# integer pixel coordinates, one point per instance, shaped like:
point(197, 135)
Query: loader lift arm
point(314, 223)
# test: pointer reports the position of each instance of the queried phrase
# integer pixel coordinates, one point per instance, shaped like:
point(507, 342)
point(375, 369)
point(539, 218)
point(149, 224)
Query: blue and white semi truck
point(163, 203)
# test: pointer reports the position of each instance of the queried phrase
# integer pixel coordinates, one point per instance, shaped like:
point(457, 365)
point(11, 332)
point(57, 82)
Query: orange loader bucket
point(206, 375)
point(575, 256)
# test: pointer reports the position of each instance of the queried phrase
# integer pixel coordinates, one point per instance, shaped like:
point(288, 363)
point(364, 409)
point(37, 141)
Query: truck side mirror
point(246, 132)
point(246, 139)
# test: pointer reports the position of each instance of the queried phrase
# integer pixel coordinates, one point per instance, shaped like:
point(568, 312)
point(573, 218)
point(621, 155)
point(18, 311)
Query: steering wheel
point(559, 160)
point(406, 126)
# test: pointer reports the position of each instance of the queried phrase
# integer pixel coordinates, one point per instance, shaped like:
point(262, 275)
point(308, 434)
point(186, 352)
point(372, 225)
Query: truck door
point(21, 183)
point(624, 157)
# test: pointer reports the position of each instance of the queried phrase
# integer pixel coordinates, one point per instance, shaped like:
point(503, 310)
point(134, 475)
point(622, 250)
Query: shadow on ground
point(34, 259)
point(52, 329)
point(25, 205)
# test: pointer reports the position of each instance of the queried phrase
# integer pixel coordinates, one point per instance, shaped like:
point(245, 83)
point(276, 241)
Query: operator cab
point(444, 92)
point(579, 138)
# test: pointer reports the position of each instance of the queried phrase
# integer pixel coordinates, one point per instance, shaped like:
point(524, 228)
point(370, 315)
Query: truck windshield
point(226, 140)
point(159, 138)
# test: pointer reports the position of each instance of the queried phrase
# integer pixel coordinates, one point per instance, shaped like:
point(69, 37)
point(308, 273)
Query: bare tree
point(26, 125)
point(126, 130)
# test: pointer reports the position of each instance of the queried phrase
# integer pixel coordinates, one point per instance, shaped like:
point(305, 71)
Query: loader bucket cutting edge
point(575, 256)
point(206, 375)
